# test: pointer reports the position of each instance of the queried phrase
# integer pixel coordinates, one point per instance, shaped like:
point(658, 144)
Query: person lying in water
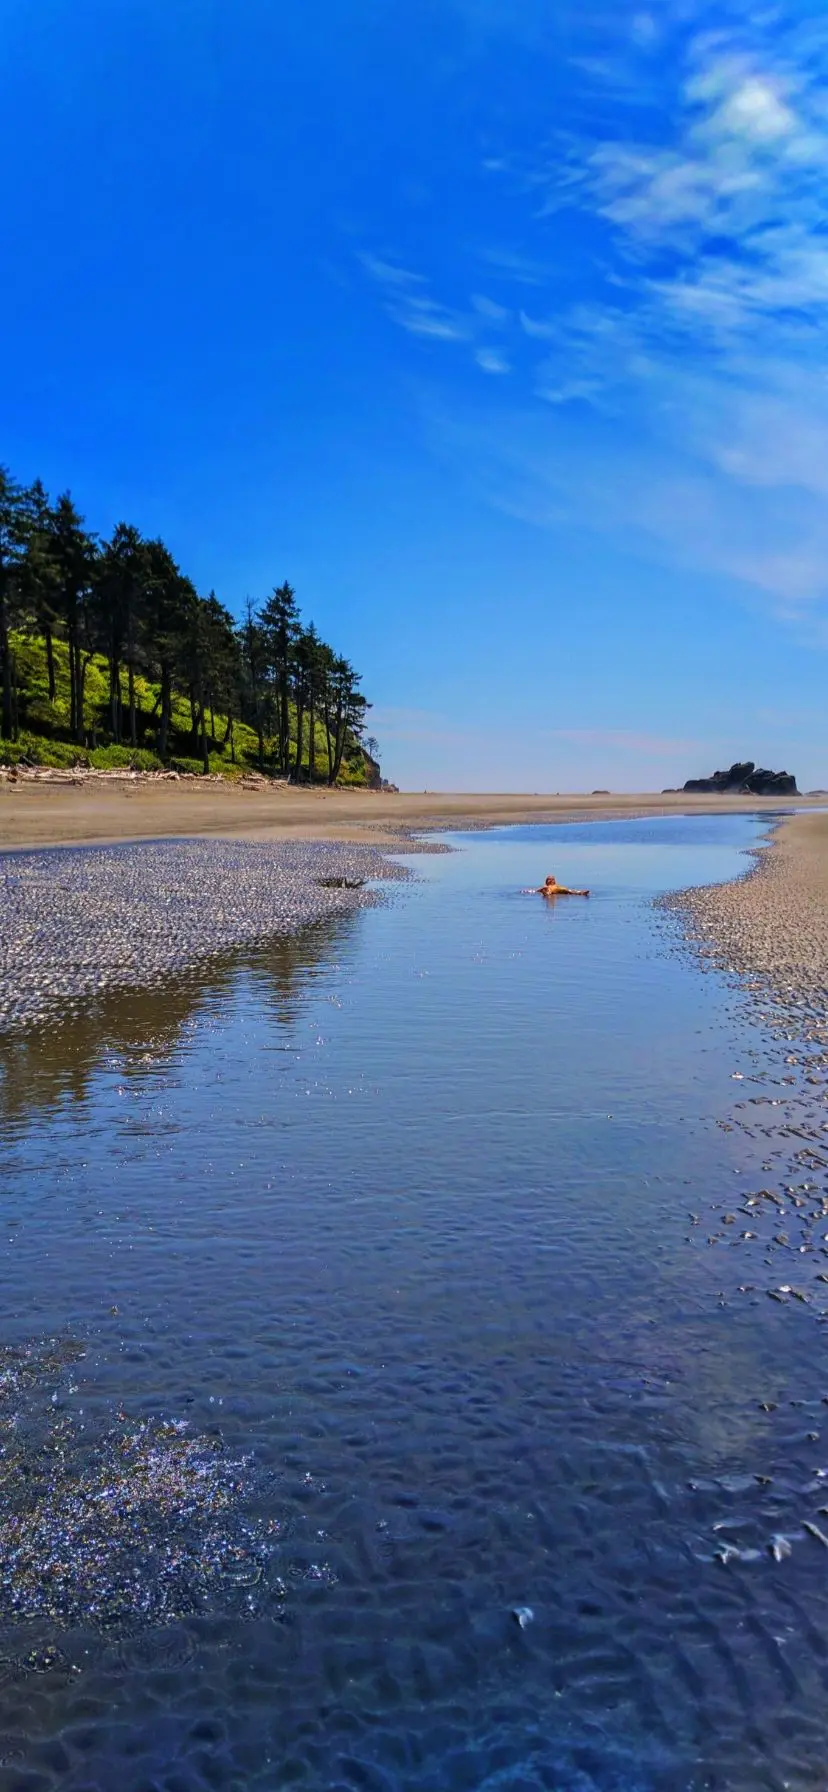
point(552, 888)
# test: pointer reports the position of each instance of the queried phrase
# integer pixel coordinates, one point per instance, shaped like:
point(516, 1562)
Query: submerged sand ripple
point(75, 924)
point(142, 1524)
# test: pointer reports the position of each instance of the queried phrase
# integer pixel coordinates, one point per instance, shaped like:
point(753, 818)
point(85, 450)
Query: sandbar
point(35, 814)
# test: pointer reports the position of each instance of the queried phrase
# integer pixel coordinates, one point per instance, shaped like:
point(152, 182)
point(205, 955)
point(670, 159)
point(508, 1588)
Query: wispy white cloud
point(389, 273)
point(489, 360)
point(708, 333)
point(423, 317)
point(411, 305)
point(695, 203)
point(516, 265)
point(489, 308)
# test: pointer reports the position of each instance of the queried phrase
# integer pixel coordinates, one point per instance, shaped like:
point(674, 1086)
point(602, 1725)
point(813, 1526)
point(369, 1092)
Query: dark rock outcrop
point(745, 779)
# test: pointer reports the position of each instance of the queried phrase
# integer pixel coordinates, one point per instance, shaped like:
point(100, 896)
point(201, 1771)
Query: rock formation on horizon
point(745, 779)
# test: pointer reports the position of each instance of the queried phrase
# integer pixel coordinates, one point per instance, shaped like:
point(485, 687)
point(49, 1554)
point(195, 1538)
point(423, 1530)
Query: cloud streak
point(410, 304)
point(688, 179)
point(489, 360)
point(704, 338)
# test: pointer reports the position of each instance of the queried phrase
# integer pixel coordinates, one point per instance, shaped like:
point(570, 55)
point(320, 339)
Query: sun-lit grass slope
point(45, 733)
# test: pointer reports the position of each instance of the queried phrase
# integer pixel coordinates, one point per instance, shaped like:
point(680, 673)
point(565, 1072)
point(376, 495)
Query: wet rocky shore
point(768, 933)
point(770, 927)
point(76, 924)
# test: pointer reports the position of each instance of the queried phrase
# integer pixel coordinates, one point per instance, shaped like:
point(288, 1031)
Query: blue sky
point(497, 326)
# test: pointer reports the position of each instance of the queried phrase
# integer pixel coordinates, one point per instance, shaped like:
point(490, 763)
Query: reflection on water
point(45, 1067)
point(401, 1217)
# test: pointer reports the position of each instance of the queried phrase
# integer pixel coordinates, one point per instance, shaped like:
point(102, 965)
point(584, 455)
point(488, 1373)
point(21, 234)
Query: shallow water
point(393, 1218)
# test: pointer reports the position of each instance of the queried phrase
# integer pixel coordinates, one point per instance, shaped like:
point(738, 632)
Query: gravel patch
point(76, 924)
point(770, 927)
point(767, 932)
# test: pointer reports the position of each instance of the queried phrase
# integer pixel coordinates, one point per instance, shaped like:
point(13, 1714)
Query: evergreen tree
point(314, 652)
point(279, 621)
point(130, 602)
point(254, 693)
point(73, 554)
point(38, 581)
point(14, 529)
point(169, 599)
point(122, 587)
point(349, 711)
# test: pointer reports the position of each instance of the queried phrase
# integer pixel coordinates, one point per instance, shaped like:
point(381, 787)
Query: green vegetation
point(109, 657)
point(45, 738)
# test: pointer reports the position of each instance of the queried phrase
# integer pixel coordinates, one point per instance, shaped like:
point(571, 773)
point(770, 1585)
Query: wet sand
point(768, 933)
point(772, 925)
point(77, 926)
point(50, 815)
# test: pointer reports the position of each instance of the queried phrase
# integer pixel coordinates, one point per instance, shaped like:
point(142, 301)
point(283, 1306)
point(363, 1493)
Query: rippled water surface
point(369, 1398)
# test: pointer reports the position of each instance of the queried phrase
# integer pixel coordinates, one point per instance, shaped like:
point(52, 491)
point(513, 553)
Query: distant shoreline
point(44, 815)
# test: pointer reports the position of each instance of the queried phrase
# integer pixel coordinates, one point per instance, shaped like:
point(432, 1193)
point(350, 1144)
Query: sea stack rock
point(745, 779)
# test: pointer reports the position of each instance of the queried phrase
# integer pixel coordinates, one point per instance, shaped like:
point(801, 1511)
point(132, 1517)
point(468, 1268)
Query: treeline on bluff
point(109, 655)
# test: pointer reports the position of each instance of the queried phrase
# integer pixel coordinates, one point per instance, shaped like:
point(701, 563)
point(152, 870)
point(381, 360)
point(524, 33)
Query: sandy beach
point(34, 814)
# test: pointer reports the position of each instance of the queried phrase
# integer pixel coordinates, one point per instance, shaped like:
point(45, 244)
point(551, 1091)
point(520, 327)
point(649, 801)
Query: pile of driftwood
point(84, 774)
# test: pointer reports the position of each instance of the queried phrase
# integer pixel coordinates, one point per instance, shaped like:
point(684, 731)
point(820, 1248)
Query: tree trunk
point(115, 698)
point(50, 662)
point(284, 726)
point(166, 706)
point(15, 719)
point(300, 730)
point(6, 712)
point(73, 686)
point(75, 711)
point(133, 731)
point(205, 751)
point(260, 732)
point(83, 663)
point(227, 732)
point(311, 741)
point(329, 739)
point(341, 730)
point(232, 742)
point(73, 706)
